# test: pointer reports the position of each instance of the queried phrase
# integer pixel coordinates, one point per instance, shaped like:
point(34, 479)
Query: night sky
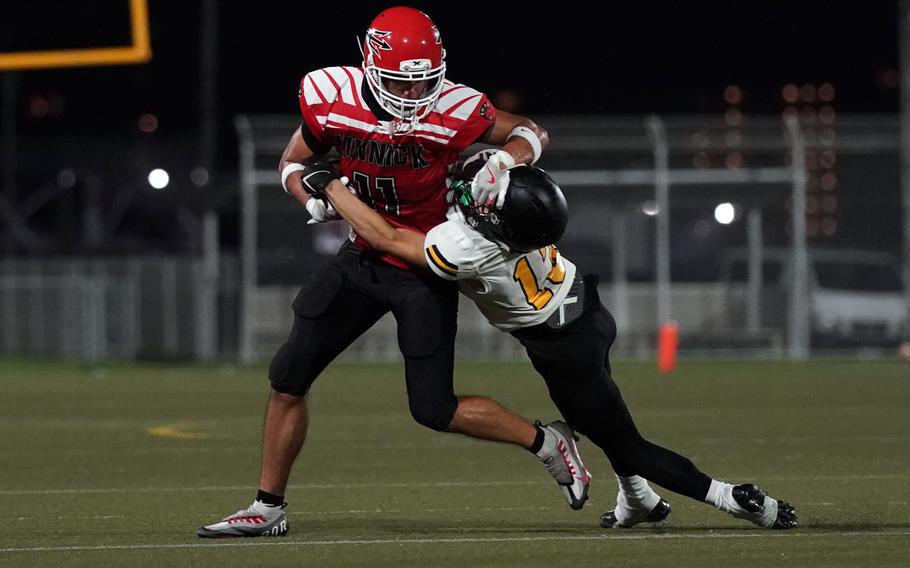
point(620, 57)
point(623, 57)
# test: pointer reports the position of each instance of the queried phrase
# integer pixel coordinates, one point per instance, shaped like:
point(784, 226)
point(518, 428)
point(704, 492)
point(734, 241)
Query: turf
point(117, 466)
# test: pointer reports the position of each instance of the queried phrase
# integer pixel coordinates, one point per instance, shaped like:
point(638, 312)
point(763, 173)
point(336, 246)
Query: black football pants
point(343, 297)
point(574, 362)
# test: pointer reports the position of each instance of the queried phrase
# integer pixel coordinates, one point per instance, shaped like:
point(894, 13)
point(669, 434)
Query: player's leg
point(632, 456)
point(677, 473)
point(425, 309)
point(484, 418)
point(575, 365)
point(330, 312)
point(571, 362)
point(426, 314)
point(554, 443)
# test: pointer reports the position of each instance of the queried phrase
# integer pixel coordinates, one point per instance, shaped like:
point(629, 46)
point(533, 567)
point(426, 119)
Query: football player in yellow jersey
point(505, 260)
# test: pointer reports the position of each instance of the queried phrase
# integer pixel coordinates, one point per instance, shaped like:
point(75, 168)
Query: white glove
point(320, 212)
point(491, 182)
point(317, 208)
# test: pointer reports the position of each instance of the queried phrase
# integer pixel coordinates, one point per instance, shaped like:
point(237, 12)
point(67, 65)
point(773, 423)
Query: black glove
point(316, 178)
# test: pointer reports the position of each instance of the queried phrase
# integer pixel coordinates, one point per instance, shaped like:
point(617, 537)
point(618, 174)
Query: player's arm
point(522, 142)
point(307, 144)
point(401, 243)
point(297, 164)
point(296, 154)
point(518, 136)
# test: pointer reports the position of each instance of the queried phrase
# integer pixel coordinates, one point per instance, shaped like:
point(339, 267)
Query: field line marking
point(251, 486)
point(380, 511)
point(664, 536)
point(177, 431)
point(376, 511)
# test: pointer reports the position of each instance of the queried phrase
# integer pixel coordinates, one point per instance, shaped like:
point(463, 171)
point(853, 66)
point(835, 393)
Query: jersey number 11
point(384, 195)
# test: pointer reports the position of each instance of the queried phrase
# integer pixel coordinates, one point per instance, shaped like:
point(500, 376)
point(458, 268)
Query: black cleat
point(763, 510)
point(749, 497)
point(658, 514)
point(786, 516)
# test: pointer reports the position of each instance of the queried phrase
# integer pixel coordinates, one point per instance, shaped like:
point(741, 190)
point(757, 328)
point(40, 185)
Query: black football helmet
point(533, 215)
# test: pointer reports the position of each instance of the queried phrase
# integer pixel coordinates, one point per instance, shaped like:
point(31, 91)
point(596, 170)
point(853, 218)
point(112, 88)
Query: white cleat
point(625, 517)
point(560, 456)
point(258, 519)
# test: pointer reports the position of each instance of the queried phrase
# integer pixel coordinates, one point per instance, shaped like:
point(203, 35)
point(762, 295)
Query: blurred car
point(856, 297)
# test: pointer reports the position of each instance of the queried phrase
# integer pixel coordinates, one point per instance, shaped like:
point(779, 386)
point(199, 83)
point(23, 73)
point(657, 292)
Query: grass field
point(117, 466)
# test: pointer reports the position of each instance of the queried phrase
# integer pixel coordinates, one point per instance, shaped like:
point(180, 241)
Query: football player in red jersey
point(398, 124)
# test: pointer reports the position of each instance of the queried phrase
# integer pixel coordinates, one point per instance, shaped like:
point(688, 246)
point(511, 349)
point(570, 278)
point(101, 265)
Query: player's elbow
point(386, 244)
point(382, 241)
point(544, 137)
point(541, 132)
point(396, 244)
point(297, 151)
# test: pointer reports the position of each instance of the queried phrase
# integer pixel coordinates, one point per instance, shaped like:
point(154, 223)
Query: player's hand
point(317, 177)
point(492, 180)
point(320, 208)
point(320, 211)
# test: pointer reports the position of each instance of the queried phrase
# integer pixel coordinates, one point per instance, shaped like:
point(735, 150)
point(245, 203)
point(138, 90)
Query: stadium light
point(147, 123)
point(199, 176)
point(66, 178)
point(159, 178)
point(725, 213)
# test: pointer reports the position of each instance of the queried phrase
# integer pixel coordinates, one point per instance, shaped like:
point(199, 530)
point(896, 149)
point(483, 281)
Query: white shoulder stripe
point(324, 85)
point(309, 92)
point(357, 73)
point(433, 138)
point(465, 109)
point(344, 83)
point(436, 129)
point(353, 123)
point(456, 93)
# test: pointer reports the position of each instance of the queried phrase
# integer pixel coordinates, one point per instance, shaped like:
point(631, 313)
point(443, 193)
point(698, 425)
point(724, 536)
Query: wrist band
point(531, 137)
point(288, 170)
point(506, 159)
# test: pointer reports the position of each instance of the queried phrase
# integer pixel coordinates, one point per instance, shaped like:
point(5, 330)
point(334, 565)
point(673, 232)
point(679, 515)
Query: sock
point(269, 499)
point(538, 440)
point(548, 444)
point(637, 492)
point(720, 495)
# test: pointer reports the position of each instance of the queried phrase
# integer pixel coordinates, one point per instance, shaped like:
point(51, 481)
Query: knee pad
point(435, 416)
point(287, 375)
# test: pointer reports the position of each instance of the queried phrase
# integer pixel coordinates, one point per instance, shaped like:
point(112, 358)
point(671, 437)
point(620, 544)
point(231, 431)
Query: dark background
point(622, 57)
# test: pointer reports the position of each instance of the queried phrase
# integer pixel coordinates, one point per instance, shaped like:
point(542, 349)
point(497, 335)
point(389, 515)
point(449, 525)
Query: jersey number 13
point(535, 290)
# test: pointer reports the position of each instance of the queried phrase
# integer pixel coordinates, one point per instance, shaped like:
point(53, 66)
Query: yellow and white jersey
point(512, 290)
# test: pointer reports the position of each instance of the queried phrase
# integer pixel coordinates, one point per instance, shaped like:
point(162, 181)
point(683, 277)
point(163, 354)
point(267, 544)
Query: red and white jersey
point(402, 177)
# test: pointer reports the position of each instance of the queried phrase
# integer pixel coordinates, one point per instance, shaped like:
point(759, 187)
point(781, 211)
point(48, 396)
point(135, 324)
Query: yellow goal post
point(139, 51)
